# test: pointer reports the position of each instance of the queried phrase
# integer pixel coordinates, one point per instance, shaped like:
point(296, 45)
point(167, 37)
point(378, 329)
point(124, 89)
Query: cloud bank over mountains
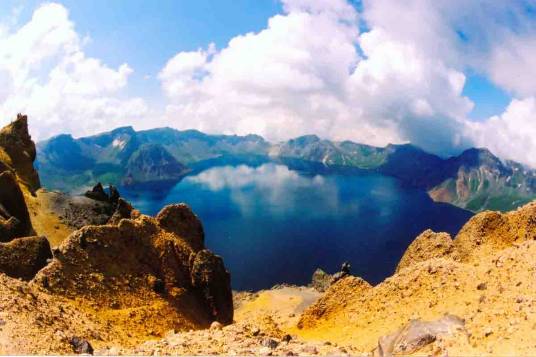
point(390, 72)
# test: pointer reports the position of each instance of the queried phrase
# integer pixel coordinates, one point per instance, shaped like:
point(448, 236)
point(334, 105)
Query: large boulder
point(418, 335)
point(24, 257)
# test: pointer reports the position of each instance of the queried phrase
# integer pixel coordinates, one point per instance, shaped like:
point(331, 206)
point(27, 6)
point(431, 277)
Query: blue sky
point(145, 34)
point(372, 71)
point(488, 98)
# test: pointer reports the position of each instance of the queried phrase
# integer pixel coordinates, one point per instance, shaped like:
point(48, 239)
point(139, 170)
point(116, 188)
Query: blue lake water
point(276, 225)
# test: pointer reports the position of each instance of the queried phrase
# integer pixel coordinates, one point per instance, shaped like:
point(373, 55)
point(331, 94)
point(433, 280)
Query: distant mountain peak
point(123, 130)
point(475, 179)
point(479, 156)
point(304, 140)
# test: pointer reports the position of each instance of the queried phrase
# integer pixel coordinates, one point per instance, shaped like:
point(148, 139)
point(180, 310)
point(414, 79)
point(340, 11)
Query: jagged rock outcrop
point(97, 193)
point(123, 209)
point(209, 276)
point(483, 234)
point(427, 245)
point(21, 255)
point(24, 257)
point(17, 151)
point(152, 261)
point(121, 276)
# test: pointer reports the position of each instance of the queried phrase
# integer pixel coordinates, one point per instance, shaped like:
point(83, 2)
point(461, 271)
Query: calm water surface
point(275, 225)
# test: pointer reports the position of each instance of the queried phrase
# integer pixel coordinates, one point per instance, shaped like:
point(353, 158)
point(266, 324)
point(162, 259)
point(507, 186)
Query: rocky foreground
point(90, 274)
point(84, 272)
point(472, 295)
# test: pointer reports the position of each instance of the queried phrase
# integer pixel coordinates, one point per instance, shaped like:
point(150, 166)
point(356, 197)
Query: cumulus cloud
point(269, 82)
point(312, 71)
point(45, 73)
point(511, 65)
point(496, 39)
point(511, 134)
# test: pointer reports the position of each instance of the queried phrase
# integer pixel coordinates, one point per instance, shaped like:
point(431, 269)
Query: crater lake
point(277, 223)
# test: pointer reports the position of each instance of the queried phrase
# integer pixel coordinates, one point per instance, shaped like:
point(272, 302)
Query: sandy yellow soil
point(44, 220)
point(489, 280)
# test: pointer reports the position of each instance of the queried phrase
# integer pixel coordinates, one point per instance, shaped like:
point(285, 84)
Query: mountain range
point(475, 180)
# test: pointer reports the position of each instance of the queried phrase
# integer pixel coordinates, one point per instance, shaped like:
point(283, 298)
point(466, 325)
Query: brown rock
point(81, 345)
point(180, 219)
point(97, 193)
point(123, 210)
point(14, 217)
point(17, 150)
point(321, 280)
point(492, 231)
point(24, 257)
point(138, 262)
point(211, 278)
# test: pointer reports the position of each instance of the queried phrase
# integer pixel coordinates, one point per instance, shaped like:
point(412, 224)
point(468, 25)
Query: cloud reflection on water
point(276, 188)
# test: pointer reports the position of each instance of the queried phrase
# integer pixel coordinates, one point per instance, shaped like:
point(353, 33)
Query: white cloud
point(311, 71)
point(512, 134)
point(512, 67)
point(276, 185)
point(269, 82)
point(45, 73)
point(303, 74)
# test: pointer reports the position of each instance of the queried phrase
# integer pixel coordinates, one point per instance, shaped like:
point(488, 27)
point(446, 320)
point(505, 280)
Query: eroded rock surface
point(121, 276)
point(426, 246)
point(340, 293)
point(485, 276)
point(180, 219)
point(14, 217)
point(321, 280)
point(95, 261)
point(17, 151)
point(24, 257)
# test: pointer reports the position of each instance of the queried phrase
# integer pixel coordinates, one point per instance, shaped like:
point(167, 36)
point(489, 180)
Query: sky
point(444, 75)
